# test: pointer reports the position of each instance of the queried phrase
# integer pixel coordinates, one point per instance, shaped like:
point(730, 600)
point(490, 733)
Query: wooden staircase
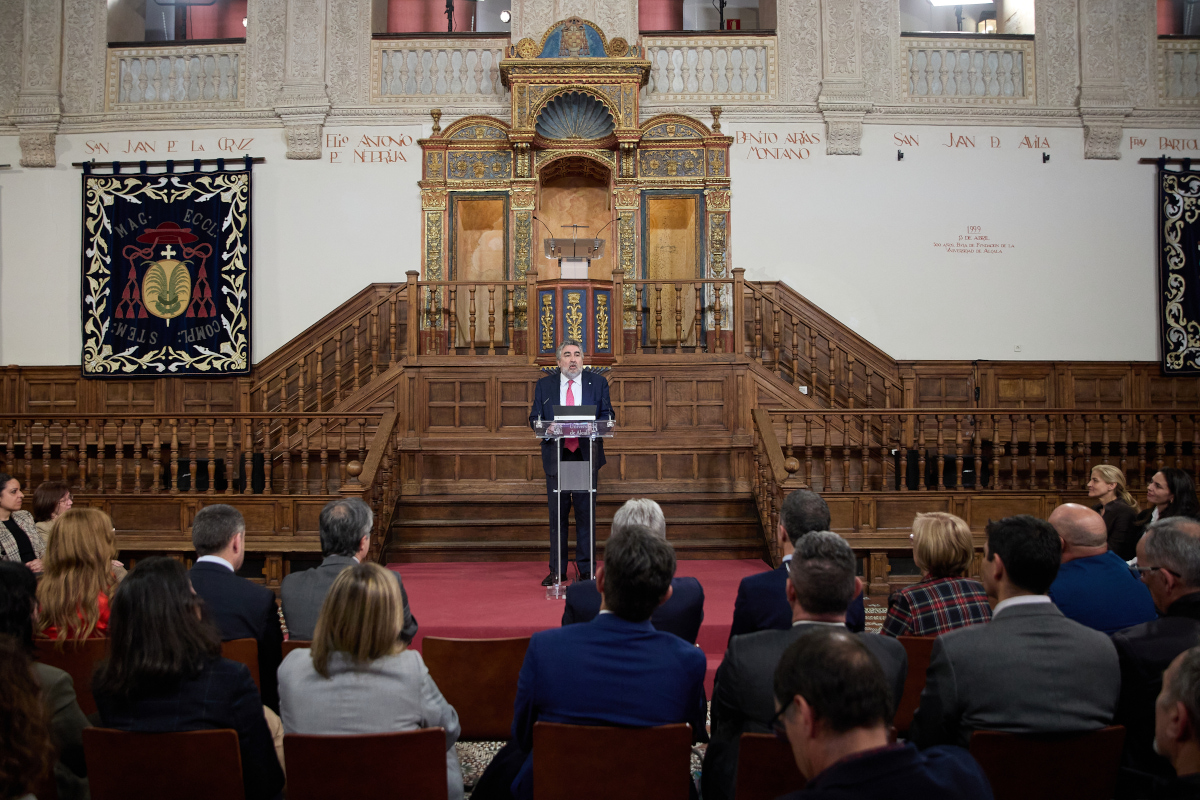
point(514, 528)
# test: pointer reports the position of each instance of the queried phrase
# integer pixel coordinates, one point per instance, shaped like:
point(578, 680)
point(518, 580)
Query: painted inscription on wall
point(369, 148)
point(117, 148)
point(974, 241)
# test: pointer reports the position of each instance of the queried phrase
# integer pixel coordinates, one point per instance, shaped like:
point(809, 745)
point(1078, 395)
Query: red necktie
point(571, 443)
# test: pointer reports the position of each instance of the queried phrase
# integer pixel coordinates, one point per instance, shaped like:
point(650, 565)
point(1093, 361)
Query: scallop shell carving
point(575, 116)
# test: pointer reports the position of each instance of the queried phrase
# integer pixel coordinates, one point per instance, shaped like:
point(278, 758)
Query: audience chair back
point(766, 768)
point(478, 677)
point(581, 762)
point(77, 658)
point(295, 644)
point(244, 651)
point(1080, 766)
point(195, 765)
point(919, 649)
point(408, 764)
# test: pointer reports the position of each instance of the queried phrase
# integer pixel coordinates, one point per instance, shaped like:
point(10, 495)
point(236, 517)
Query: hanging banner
point(166, 273)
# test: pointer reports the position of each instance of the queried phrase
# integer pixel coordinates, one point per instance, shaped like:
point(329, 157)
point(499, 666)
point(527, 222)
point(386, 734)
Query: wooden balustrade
point(681, 316)
point(903, 450)
point(468, 318)
point(210, 454)
point(803, 352)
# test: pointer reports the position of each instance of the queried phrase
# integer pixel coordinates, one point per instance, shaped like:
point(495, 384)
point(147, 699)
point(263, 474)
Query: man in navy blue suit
point(570, 386)
point(240, 609)
point(680, 615)
point(615, 670)
point(762, 603)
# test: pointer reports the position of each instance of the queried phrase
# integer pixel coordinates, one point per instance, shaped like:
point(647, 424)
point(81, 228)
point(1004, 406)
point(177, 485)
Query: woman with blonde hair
point(944, 598)
point(358, 677)
point(1114, 502)
point(74, 594)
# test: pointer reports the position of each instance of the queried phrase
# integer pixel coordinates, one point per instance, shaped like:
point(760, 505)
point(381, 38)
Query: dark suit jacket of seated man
point(610, 671)
point(549, 392)
point(743, 693)
point(681, 615)
point(345, 540)
point(1029, 670)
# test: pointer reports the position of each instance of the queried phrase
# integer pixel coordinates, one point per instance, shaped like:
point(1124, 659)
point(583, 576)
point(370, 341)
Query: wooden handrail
point(762, 421)
point(383, 433)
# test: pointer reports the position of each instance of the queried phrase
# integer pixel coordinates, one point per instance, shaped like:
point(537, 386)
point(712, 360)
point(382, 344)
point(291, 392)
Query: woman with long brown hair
point(79, 581)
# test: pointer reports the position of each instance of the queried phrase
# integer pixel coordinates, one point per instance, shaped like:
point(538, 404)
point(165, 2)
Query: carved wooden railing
point(469, 317)
point(806, 347)
point(377, 480)
point(195, 454)
point(176, 77)
point(667, 316)
point(767, 479)
point(423, 70)
point(701, 68)
point(901, 450)
point(1178, 72)
point(989, 70)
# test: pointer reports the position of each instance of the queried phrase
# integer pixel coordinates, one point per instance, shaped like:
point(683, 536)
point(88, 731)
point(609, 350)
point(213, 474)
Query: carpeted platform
point(470, 600)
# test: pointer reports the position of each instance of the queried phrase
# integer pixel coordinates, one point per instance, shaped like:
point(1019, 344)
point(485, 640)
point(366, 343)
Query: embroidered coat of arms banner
point(1179, 271)
point(166, 273)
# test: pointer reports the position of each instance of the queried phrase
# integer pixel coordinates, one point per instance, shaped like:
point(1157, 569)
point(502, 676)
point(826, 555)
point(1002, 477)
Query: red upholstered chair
point(408, 764)
point(479, 678)
point(1080, 766)
point(919, 650)
point(196, 765)
point(244, 651)
point(766, 768)
point(77, 658)
point(295, 644)
point(580, 762)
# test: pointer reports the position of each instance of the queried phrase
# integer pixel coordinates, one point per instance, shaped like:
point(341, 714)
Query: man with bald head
point(1094, 586)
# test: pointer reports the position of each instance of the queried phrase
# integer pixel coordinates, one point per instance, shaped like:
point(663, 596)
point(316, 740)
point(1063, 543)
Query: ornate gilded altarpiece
point(575, 110)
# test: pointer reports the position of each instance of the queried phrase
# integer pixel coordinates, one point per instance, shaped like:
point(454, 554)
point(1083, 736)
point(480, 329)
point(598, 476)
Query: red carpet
point(481, 601)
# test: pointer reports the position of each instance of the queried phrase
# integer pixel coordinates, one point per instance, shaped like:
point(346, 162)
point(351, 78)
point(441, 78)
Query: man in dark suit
point(345, 541)
point(1169, 562)
point(1029, 670)
point(239, 608)
point(680, 615)
point(1177, 725)
point(834, 705)
point(614, 670)
point(821, 584)
point(761, 604)
point(570, 386)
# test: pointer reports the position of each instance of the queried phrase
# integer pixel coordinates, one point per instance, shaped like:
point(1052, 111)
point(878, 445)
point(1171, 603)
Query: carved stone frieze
point(1137, 33)
point(844, 98)
point(266, 33)
point(11, 27)
point(799, 30)
point(1102, 137)
point(85, 35)
point(1057, 41)
point(348, 52)
point(843, 134)
point(303, 102)
point(37, 146)
point(38, 107)
point(880, 23)
point(1103, 103)
point(618, 18)
point(843, 56)
point(303, 135)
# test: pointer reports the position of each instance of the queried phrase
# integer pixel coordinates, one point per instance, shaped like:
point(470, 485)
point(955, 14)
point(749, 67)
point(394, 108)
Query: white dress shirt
point(576, 390)
point(216, 560)
point(1020, 600)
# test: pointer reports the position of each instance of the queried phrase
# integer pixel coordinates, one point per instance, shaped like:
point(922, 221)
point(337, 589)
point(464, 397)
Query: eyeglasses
point(1143, 570)
point(776, 724)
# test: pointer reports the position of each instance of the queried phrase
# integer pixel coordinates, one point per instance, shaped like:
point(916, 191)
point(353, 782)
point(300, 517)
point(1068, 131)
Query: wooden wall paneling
point(1097, 386)
point(52, 390)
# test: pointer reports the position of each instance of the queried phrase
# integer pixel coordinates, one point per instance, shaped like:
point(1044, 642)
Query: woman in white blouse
point(358, 678)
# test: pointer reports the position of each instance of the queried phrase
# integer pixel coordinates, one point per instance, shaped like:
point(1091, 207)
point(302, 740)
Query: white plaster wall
point(856, 235)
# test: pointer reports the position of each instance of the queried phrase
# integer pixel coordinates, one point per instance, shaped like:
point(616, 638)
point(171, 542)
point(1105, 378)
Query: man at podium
point(570, 386)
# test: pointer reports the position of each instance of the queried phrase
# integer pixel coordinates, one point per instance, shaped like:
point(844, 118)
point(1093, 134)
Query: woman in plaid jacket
point(945, 598)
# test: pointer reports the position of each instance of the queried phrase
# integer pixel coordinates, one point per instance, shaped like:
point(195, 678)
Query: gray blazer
point(1029, 670)
point(389, 694)
point(744, 697)
point(303, 593)
point(66, 730)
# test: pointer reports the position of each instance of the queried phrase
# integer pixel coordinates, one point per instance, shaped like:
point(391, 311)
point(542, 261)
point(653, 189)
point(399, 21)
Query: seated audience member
point(50, 500)
point(945, 598)
point(680, 615)
point(615, 670)
point(1117, 506)
point(19, 537)
point(1177, 725)
point(240, 609)
point(761, 603)
point(78, 583)
point(1029, 670)
point(821, 584)
point(26, 751)
point(834, 706)
point(1169, 563)
point(1171, 493)
point(357, 678)
point(164, 672)
point(345, 541)
point(1094, 586)
point(18, 606)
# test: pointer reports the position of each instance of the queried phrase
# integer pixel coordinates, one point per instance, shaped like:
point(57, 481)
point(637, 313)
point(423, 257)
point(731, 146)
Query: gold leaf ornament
point(527, 48)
